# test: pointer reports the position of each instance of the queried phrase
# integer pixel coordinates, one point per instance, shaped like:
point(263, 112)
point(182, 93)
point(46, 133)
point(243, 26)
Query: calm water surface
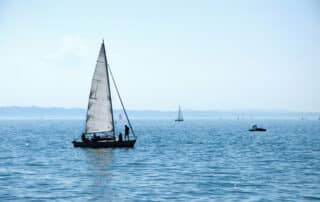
point(199, 160)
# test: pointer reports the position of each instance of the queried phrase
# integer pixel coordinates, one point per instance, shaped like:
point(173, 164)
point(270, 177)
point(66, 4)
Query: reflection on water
point(99, 172)
point(98, 159)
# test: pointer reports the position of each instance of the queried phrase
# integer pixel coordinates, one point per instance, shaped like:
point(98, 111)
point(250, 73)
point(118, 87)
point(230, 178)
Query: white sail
point(99, 112)
point(180, 116)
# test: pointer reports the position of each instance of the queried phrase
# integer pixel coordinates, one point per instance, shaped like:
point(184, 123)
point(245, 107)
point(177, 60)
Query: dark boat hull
point(258, 130)
point(104, 144)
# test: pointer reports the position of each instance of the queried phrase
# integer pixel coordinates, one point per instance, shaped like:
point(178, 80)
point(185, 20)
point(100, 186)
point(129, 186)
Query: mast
point(105, 57)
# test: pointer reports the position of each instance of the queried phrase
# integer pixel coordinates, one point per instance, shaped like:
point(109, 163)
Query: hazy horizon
point(168, 110)
point(203, 55)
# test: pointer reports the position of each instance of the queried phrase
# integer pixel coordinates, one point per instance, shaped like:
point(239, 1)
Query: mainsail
point(99, 112)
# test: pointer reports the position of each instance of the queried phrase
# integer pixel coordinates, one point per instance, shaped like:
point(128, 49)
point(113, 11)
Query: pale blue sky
point(221, 55)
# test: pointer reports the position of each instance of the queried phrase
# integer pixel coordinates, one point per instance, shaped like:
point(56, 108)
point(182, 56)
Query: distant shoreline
point(35, 112)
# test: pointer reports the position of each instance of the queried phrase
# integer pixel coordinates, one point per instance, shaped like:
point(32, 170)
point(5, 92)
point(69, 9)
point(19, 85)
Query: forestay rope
point(124, 110)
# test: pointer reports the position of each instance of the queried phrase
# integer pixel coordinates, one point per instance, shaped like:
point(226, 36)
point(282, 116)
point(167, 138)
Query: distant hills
point(35, 112)
point(41, 112)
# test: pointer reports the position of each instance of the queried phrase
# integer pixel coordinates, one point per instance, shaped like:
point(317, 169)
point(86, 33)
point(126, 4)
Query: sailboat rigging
point(99, 119)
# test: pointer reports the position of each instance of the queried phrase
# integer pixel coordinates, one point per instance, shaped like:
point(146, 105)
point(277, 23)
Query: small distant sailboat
point(255, 128)
point(100, 125)
point(180, 116)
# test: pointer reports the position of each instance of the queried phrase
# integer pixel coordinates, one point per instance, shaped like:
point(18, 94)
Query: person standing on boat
point(120, 137)
point(126, 132)
point(94, 138)
point(83, 138)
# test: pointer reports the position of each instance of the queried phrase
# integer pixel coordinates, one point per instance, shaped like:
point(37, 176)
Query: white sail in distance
point(99, 112)
point(180, 116)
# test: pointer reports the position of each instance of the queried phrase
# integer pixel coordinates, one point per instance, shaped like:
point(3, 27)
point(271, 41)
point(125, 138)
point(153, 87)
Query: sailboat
point(180, 116)
point(100, 125)
point(255, 128)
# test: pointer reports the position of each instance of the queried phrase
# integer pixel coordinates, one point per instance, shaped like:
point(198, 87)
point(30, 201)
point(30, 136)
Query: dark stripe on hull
point(109, 144)
point(258, 130)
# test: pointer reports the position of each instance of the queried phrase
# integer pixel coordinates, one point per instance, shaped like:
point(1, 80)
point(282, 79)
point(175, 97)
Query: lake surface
point(199, 160)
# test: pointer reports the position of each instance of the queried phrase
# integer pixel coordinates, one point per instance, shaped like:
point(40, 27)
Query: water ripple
point(199, 160)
